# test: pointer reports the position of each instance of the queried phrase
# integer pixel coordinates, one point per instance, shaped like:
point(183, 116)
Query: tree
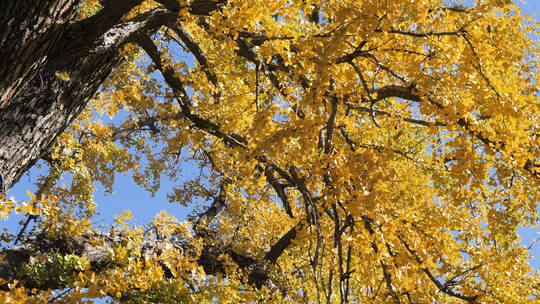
point(350, 151)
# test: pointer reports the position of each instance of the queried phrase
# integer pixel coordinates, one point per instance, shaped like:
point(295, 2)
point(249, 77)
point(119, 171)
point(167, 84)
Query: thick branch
point(403, 92)
point(126, 31)
point(279, 247)
point(111, 13)
point(96, 249)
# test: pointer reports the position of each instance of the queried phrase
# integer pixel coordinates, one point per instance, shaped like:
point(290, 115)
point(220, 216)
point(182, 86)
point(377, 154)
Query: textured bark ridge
point(30, 29)
point(96, 248)
point(35, 116)
point(41, 40)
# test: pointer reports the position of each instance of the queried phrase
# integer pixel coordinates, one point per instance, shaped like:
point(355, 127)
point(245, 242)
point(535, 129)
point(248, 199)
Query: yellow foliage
point(393, 144)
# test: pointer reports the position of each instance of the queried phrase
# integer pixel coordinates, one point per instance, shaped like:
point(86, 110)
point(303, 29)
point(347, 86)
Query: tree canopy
point(374, 151)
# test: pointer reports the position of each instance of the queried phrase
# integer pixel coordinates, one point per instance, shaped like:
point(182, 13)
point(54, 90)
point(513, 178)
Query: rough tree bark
point(100, 259)
point(42, 39)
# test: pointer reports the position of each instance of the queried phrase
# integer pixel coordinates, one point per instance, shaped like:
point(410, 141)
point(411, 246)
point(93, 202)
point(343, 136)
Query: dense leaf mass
point(374, 151)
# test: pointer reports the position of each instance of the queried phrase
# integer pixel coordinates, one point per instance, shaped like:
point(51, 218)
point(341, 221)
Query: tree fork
point(52, 62)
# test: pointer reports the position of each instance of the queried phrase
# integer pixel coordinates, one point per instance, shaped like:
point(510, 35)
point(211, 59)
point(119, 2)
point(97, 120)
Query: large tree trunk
point(44, 107)
point(42, 41)
point(29, 29)
point(35, 103)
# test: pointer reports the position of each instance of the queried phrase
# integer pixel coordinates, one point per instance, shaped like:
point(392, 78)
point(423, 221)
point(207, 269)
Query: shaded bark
point(30, 29)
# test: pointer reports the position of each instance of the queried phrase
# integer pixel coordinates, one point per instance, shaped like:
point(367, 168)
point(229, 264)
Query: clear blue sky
point(143, 206)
